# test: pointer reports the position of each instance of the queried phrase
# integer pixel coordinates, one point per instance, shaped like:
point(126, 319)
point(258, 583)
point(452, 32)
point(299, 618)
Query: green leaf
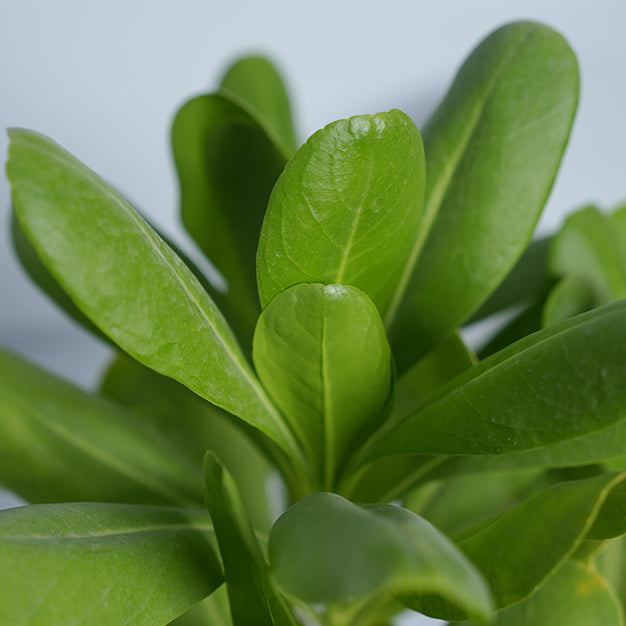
point(522, 547)
point(346, 209)
point(226, 167)
point(181, 416)
point(255, 84)
point(575, 595)
point(355, 551)
point(129, 283)
point(557, 384)
point(58, 443)
point(493, 147)
point(527, 281)
point(571, 296)
point(103, 564)
point(587, 247)
point(212, 611)
point(322, 353)
point(253, 598)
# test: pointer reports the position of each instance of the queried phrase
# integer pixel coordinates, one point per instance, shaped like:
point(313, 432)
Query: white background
point(103, 79)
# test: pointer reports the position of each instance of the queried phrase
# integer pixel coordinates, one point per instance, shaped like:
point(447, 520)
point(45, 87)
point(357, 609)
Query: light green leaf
point(255, 84)
point(611, 563)
point(129, 283)
point(571, 296)
point(212, 611)
point(493, 146)
point(322, 354)
point(575, 595)
point(354, 551)
point(560, 383)
point(196, 426)
point(253, 598)
point(587, 247)
point(58, 443)
point(102, 564)
point(226, 167)
point(346, 209)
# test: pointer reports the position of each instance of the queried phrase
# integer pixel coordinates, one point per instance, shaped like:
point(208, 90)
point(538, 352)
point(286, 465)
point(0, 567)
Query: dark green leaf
point(346, 209)
point(58, 443)
point(103, 564)
point(493, 148)
point(255, 84)
point(322, 354)
point(129, 283)
point(574, 596)
point(227, 167)
point(354, 551)
point(253, 598)
point(557, 384)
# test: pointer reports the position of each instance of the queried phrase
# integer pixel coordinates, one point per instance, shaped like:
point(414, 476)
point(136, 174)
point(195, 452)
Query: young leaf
point(130, 283)
point(255, 84)
point(526, 396)
point(253, 598)
point(493, 147)
point(103, 564)
point(354, 551)
point(575, 595)
point(227, 166)
point(346, 209)
point(571, 296)
point(322, 354)
point(58, 443)
point(196, 426)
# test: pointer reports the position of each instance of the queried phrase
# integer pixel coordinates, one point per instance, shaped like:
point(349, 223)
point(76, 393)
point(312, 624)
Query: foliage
point(328, 370)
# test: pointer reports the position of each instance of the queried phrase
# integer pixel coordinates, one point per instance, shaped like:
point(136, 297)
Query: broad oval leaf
point(120, 273)
point(575, 595)
point(227, 166)
point(324, 549)
point(322, 353)
point(58, 443)
point(557, 384)
point(253, 597)
point(103, 564)
point(493, 149)
point(346, 209)
point(255, 84)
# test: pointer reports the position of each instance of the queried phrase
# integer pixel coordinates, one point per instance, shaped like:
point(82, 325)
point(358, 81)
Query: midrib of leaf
point(94, 452)
point(327, 419)
point(102, 534)
point(154, 241)
point(441, 188)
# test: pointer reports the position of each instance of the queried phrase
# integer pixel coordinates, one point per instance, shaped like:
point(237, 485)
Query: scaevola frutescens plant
point(329, 368)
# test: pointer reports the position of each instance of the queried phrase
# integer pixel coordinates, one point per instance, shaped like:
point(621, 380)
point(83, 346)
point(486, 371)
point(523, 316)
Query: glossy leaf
point(255, 84)
point(226, 167)
point(103, 564)
point(346, 209)
point(587, 247)
point(571, 296)
point(575, 595)
point(557, 384)
point(253, 598)
point(352, 551)
point(322, 353)
point(493, 147)
point(196, 426)
point(58, 443)
point(129, 283)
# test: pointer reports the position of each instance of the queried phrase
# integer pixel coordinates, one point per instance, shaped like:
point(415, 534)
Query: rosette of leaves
point(328, 365)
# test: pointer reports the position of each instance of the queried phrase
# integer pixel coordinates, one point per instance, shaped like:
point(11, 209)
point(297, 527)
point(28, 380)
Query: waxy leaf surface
point(493, 148)
point(557, 384)
point(352, 551)
point(253, 598)
point(346, 209)
point(58, 443)
point(129, 282)
point(103, 564)
point(321, 352)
